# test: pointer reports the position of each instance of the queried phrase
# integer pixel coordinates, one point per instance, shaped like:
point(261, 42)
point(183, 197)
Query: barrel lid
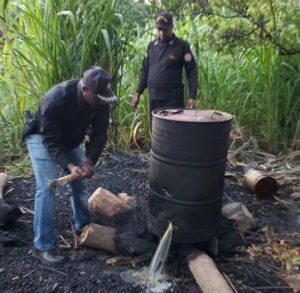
point(189, 115)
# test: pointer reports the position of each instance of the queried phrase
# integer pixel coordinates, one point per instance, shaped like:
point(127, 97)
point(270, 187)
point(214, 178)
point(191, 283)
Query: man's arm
point(98, 135)
point(51, 130)
point(190, 67)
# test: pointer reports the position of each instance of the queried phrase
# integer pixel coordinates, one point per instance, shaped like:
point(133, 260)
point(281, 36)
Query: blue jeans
point(45, 168)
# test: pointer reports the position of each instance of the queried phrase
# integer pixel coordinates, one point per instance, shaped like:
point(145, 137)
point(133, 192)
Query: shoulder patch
point(188, 57)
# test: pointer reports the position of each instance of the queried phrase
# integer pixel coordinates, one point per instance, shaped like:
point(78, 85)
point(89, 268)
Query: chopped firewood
point(98, 236)
point(104, 203)
point(207, 275)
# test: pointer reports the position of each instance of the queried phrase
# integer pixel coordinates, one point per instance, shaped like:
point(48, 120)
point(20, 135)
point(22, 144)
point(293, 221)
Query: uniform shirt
point(63, 119)
point(162, 70)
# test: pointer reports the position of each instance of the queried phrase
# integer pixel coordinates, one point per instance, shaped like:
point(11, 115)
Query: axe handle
point(3, 180)
point(61, 181)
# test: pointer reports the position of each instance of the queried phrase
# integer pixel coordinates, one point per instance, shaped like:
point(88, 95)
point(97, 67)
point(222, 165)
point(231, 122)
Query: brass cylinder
point(260, 182)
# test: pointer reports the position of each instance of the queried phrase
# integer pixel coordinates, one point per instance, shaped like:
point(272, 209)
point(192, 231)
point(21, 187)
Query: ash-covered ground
point(86, 269)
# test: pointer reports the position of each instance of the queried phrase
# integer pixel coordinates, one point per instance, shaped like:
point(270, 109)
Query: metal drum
point(188, 159)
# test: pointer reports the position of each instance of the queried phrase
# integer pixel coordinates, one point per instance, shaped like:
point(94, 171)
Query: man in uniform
point(67, 113)
point(163, 66)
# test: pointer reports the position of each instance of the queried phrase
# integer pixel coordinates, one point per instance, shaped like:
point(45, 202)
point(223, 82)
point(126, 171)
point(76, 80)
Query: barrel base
point(159, 228)
point(197, 223)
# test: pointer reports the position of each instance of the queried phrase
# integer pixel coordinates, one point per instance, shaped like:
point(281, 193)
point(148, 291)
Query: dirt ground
point(86, 269)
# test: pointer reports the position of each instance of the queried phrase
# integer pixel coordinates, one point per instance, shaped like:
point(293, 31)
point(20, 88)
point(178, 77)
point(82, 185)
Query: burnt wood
point(8, 213)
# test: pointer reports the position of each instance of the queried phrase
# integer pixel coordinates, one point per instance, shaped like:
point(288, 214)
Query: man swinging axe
point(69, 111)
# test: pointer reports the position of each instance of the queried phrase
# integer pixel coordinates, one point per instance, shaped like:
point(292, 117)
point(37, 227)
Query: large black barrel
point(188, 159)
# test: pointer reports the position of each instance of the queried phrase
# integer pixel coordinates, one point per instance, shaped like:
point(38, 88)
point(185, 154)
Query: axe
point(62, 181)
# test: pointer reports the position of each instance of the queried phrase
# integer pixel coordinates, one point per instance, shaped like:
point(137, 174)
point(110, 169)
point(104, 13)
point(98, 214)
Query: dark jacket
point(162, 70)
point(64, 118)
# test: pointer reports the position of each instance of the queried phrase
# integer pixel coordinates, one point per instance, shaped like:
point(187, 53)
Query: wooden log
point(99, 237)
point(104, 203)
point(3, 181)
point(8, 213)
point(207, 275)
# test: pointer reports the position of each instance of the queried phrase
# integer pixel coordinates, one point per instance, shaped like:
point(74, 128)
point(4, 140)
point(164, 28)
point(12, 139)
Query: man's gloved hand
point(135, 100)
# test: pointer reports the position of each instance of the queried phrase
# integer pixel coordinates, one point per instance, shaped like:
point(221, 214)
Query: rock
point(240, 214)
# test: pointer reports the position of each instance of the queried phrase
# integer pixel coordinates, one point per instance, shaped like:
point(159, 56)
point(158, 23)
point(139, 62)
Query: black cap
point(98, 81)
point(164, 21)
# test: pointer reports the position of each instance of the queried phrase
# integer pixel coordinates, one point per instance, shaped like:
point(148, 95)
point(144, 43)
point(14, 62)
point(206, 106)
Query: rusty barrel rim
point(190, 115)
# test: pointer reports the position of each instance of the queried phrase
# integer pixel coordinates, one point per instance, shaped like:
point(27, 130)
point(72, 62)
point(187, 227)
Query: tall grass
point(261, 89)
point(259, 86)
point(139, 119)
point(46, 42)
point(50, 41)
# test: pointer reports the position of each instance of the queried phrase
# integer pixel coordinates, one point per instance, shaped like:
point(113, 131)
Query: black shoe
point(47, 257)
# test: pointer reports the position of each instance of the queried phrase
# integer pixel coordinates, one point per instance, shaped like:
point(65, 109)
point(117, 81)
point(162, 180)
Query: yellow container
point(260, 182)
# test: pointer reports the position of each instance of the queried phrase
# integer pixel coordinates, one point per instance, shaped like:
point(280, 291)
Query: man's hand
point(85, 170)
point(191, 104)
point(135, 100)
point(75, 169)
point(88, 169)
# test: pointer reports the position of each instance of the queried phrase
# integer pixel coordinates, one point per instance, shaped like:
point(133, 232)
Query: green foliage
point(46, 42)
point(248, 57)
point(257, 83)
point(239, 23)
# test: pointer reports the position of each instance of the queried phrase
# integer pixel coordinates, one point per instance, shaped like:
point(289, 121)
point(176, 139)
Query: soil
point(86, 269)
